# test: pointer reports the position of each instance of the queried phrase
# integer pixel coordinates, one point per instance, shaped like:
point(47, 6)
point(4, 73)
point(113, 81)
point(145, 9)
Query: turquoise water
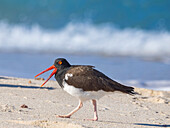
point(53, 14)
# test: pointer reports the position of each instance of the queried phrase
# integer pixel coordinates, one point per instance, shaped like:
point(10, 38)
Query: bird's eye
point(60, 62)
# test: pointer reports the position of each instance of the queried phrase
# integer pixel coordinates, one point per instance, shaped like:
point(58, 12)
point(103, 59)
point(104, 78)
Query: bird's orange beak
point(50, 68)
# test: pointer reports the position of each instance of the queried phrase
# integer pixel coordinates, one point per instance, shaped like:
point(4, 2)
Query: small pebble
point(24, 106)
point(38, 78)
point(166, 102)
point(105, 109)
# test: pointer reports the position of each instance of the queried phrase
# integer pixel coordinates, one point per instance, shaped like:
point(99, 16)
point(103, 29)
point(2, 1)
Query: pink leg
point(95, 111)
point(72, 112)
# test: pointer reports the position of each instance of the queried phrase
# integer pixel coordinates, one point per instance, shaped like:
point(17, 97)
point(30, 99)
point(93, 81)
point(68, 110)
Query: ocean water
point(53, 14)
point(127, 70)
point(127, 40)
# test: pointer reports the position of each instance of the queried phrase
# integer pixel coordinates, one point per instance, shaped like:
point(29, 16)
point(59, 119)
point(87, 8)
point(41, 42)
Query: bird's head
point(61, 63)
point(58, 65)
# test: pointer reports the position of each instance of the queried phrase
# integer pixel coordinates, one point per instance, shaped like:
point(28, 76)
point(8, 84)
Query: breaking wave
point(85, 38)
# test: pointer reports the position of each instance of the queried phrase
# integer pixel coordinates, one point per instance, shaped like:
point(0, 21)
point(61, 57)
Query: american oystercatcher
point(83, 82)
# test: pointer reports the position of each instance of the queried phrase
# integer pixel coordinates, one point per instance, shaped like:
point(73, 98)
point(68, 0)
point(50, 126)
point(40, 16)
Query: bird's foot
point(63, 116)
point(95, 119)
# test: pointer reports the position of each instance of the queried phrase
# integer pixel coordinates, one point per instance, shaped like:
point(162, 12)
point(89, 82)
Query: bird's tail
point(116, 86)
point(124, 89)
point(129, 90)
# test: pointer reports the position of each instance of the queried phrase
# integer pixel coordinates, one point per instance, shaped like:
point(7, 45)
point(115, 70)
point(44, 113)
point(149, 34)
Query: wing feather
point(89, 79)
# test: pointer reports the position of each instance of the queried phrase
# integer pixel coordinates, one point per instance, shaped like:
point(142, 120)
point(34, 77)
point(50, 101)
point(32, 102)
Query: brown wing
point(89, 79)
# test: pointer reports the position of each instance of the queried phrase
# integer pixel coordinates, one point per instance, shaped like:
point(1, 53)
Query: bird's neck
point(60, 75)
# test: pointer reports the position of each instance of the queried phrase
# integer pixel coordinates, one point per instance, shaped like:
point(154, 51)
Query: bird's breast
point(78, 92)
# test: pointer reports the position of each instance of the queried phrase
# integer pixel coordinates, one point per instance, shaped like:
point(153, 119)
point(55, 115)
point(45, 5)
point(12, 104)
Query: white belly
point(83, 95)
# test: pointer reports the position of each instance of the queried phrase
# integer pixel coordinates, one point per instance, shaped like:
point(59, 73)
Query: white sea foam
point(76, 38)
point(163, 85)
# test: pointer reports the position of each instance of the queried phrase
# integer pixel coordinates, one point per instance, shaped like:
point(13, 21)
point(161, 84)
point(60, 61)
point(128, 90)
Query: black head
point(59, 64)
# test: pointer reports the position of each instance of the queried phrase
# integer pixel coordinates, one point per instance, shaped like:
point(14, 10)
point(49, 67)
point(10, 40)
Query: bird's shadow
point(155, 125)
point(3, 78)
point(24, 86)
point(139, 124)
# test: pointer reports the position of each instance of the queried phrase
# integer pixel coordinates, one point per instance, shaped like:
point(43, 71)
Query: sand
point(23, 104)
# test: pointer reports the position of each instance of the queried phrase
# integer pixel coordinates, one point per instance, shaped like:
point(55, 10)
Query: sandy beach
point(23, 104)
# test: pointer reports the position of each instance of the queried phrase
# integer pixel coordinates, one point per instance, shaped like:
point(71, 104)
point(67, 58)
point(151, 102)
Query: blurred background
point(127, 40)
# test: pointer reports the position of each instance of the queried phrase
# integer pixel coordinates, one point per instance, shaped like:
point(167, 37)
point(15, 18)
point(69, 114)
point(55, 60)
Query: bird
point(84, 82)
